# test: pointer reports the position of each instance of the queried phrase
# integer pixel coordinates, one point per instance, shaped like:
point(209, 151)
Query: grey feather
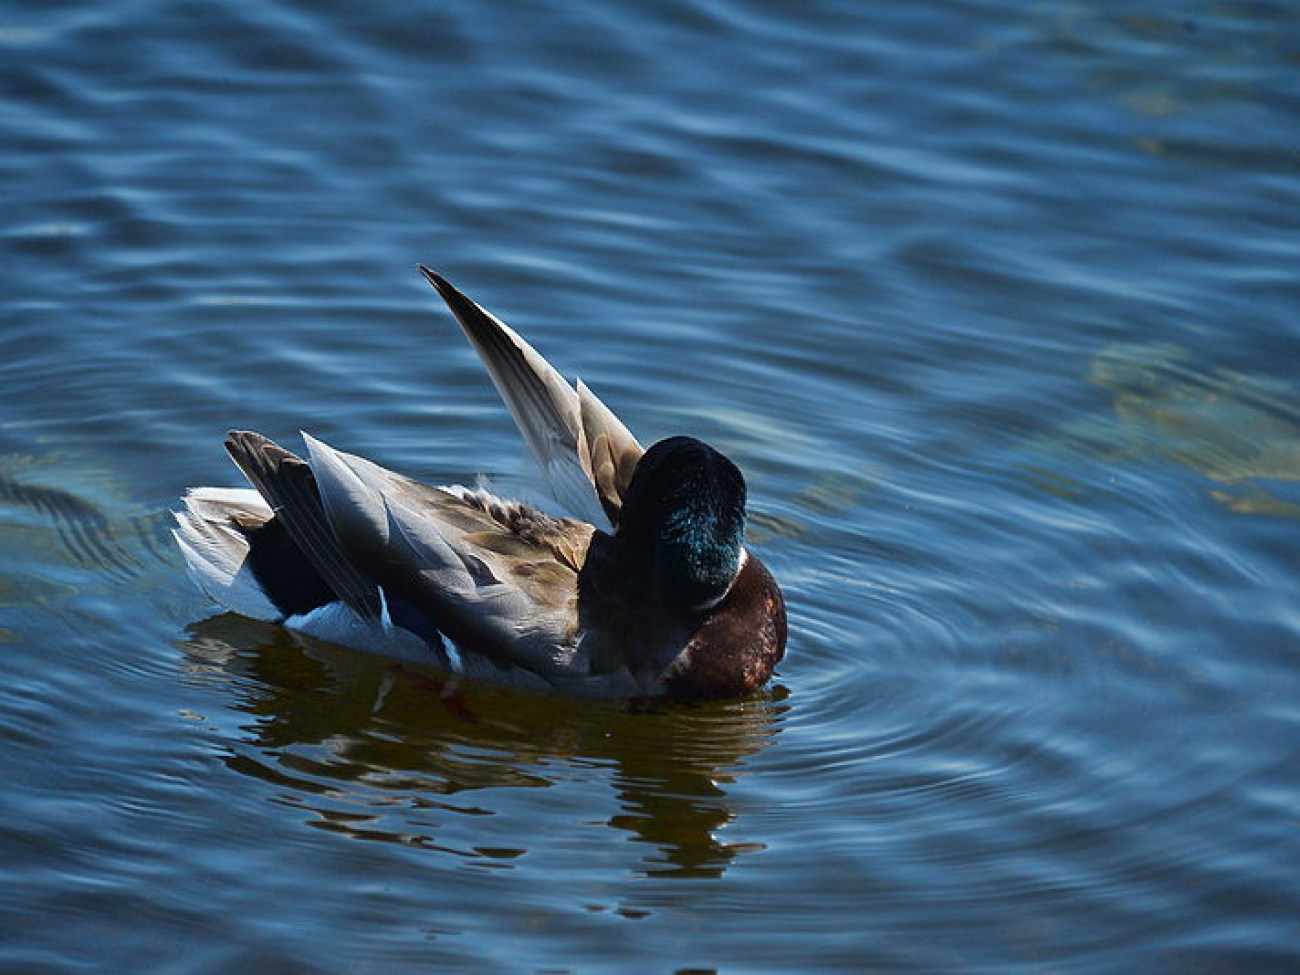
point(566, 429)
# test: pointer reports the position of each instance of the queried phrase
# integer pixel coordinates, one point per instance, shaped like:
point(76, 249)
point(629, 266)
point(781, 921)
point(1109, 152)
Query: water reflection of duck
point(359, 748)
point(668, 602)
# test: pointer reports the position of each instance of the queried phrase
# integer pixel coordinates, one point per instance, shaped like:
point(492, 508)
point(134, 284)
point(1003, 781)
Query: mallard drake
point(648, 591)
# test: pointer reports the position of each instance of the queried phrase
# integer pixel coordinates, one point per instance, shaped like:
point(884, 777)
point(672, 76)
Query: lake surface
point(997, 306)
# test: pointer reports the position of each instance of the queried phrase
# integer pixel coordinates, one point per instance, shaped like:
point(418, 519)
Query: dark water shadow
point(386, 752)
point(81, 528)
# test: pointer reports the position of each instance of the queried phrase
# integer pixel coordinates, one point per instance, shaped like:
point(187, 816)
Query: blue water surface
point(996, 304)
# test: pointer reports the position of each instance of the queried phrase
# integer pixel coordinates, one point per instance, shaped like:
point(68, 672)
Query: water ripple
point(995, 307)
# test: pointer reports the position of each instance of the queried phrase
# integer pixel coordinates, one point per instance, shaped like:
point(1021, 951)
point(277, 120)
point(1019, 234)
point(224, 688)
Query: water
point(995, 304)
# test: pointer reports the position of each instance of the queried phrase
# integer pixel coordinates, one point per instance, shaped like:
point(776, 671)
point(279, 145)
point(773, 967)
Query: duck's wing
point(608, 452)
point(497, 578)
point(288, 485)
point(586, 454)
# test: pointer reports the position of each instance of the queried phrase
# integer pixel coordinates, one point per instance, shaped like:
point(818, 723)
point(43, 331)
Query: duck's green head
point(685, 510)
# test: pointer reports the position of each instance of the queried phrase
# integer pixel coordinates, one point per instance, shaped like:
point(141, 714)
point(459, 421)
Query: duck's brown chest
point(739, 644)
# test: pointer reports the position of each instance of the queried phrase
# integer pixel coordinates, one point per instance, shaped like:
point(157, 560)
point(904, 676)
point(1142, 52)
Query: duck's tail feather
point(241, 556)
point(212, 532)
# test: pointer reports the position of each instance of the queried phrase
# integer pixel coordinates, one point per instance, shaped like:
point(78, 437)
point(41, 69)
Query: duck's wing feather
point(287, 483)
point(609, 452)
point(585, 452)
point(497, 578)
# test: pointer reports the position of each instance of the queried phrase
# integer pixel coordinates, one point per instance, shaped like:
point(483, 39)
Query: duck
point(640, 586)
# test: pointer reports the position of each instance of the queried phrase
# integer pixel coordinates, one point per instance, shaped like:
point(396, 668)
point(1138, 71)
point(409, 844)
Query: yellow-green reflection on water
point(1241, 432)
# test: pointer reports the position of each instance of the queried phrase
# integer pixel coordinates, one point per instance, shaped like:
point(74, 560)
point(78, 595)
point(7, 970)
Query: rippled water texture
point(996, 305)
